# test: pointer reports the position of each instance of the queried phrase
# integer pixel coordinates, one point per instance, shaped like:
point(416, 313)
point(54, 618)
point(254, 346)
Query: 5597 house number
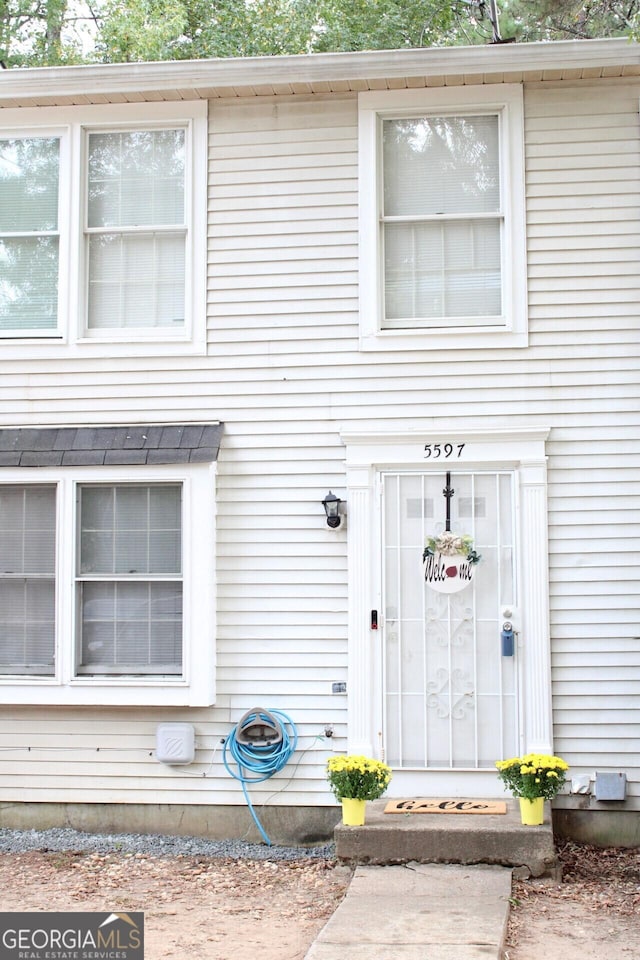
point(434, 451)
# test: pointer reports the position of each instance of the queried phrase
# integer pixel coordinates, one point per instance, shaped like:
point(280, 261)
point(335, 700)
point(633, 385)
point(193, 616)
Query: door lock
point(506, 638)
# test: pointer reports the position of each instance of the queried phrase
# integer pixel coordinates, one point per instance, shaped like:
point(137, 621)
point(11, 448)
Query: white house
point(230, 287)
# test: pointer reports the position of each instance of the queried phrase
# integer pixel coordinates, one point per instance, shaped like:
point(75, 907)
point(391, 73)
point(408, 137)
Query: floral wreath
point(451, 544)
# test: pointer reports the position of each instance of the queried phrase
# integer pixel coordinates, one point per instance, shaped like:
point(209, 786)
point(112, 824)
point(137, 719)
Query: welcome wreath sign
point(449, 562)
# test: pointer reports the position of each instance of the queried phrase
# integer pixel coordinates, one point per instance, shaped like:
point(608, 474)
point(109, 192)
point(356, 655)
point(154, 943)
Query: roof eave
point(193, 77)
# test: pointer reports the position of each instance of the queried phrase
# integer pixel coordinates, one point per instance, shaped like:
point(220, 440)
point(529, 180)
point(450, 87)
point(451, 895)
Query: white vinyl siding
point(285, 374)
point(283, 295)
point(583, 174)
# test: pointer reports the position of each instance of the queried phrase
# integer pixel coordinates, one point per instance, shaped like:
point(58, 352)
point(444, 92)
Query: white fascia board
point(199, 75)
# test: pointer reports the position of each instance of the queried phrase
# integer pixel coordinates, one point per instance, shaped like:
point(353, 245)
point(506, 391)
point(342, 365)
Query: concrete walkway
point(419, 911)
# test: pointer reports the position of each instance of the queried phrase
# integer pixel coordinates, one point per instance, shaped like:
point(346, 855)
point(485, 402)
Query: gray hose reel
point(258, 728)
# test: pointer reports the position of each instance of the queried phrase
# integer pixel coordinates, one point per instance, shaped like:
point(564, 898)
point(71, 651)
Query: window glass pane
point(131, 626)
point(28, 283)
point(131, 505)
point(27, 529)
point(441, 270)
point(136, 178)
point(29, 184)
point(98, 604)
point(131, 530)
point(136, 280)
point(27, 584)
point(441, 165)
point(97, 507)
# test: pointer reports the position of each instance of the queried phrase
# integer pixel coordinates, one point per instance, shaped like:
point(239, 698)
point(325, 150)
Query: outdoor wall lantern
point(331, 505)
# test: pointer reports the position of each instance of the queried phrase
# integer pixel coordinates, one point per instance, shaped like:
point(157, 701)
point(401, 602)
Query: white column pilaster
point(360, 668)
point(536, 642)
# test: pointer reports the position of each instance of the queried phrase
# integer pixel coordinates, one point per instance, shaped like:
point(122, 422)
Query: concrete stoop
point(499, 839)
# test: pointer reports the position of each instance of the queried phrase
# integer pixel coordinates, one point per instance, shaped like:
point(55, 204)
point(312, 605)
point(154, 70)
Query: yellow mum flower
point(533, 775)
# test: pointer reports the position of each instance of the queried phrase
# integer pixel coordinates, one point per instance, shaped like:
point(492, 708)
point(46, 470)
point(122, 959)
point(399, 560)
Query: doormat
point(446, 805)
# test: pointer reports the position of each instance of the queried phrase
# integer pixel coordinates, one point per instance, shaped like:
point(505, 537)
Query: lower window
point(129, 579)
point(27, 579)
point(108, 587)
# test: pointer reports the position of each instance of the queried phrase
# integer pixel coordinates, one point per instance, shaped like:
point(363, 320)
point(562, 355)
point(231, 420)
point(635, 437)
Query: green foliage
point(531, 20)
point(382, 24)
point(451, 545)
point(134, 30)
point(195, 29)
point(48, 32)
point(33, 33)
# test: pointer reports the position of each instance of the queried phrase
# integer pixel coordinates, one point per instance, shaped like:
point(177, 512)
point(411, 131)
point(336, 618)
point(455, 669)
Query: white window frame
point(73, 126)
point(509, 330)
point(195, 687)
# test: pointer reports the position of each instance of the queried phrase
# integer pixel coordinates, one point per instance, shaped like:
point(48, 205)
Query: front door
point(450, 688)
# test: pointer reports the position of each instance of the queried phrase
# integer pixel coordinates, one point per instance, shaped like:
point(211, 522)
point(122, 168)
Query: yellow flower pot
point(353, 812)
point(532, 811)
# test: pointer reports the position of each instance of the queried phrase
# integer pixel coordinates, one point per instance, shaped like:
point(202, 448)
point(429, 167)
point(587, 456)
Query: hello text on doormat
point(446, 805)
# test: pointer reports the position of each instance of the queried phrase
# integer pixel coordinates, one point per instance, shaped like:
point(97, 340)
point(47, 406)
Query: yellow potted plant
point(354, 780)
point(533, 779)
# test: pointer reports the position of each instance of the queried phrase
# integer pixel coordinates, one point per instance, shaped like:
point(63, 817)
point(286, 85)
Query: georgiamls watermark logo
point(71, 936)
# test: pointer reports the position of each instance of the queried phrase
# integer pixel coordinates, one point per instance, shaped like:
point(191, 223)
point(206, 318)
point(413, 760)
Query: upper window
point(136, 230)
point(442, 218)
point(102, 230)
point(29, 234)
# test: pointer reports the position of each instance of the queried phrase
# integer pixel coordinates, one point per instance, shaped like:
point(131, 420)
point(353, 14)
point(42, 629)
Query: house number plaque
point(443, 451)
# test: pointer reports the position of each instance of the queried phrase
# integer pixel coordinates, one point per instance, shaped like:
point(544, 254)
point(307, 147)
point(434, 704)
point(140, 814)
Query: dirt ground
point(592, 915)
point(209, 909)
point(243, 910)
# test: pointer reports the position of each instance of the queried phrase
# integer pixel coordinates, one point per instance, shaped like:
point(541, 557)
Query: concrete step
point(499, 839)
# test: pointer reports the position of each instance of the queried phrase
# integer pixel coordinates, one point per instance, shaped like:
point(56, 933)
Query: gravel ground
point(64, 839)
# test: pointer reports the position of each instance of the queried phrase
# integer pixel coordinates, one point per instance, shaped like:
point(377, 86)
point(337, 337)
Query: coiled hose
point(257, 762)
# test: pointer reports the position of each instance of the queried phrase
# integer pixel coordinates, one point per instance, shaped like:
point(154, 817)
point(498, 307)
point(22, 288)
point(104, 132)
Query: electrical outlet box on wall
point(611, 786)
point(175, 743)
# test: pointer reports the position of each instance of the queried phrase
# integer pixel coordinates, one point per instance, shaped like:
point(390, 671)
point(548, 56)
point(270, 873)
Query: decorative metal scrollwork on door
point(451, 694)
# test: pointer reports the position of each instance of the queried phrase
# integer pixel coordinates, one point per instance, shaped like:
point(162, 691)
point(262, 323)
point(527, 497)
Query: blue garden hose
point(260, 760)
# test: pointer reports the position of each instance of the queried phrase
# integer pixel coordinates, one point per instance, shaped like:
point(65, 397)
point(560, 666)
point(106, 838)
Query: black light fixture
point(331, 505)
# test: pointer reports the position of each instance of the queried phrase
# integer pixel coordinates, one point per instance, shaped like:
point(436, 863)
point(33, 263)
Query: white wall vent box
point(611, 786)
point(175, 743)
point(581, 784)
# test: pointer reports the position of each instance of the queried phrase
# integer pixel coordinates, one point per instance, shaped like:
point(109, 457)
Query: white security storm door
point(450, 697)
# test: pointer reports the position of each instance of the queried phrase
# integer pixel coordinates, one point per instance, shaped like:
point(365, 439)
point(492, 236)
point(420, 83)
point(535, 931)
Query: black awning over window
point(109, 446)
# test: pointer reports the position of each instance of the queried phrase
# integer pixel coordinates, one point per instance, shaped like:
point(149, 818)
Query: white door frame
point(369, 453)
